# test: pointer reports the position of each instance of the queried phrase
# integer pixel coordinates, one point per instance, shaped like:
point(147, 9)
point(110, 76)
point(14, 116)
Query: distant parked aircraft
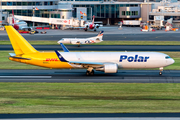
point(79, 41)
point(91, 25)
point(21, 25)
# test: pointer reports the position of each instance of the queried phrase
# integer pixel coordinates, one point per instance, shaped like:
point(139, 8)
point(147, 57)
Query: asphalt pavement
point(103, 47)
point(106, 37)
point(79, 75)
point(92, 116)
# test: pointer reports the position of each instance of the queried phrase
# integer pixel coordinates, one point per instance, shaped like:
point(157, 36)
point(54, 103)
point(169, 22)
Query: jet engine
point(109, 68)
point(97, 25)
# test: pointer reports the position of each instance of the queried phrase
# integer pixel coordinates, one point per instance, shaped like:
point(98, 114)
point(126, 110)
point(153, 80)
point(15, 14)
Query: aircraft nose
point(60, 41)
point(171, 61)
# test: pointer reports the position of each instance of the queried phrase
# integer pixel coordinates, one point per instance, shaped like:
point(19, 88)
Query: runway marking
point(26, 77)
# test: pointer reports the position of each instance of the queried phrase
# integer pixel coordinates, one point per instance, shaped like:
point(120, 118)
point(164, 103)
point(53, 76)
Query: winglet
point(60, 57)
point(64, 47)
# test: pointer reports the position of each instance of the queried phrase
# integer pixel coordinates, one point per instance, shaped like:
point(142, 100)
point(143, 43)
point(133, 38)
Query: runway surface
point(103, 47)
point(109, 37)
point(78, 76)
point(93, 116)
point(98, 119)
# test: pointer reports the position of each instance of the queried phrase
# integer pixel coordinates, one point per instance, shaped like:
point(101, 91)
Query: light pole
point(33, 15)
point(1, 13)
point(148, 14)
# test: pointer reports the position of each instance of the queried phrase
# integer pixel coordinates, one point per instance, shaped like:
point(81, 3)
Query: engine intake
point(109, 68)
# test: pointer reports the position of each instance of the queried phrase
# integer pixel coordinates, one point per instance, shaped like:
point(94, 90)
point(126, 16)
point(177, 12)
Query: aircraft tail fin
point(100, 35)
point(13, 22)
point(93, 19)
point(19, 44)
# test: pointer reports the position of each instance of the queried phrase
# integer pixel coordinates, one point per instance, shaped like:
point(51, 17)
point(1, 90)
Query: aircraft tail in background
point(13, 17)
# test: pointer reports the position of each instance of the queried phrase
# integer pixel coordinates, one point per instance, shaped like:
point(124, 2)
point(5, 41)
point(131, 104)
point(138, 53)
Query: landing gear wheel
point(160, 73)
point(161, 69)
point(78, 45)
point(85, 29)
point(87, 73)
point(90, 73)
point(94, 30)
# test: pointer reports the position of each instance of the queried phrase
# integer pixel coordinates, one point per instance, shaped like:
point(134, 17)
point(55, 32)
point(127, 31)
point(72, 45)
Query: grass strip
point(89, 97)
point(52, 42)
point(5, 63)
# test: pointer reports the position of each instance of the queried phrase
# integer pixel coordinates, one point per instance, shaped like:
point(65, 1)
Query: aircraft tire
point(85, 29)
point(92, 72)
point(94, 30)
point(87, 73)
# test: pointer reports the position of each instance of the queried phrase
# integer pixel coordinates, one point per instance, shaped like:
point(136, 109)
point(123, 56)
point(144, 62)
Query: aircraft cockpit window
point(167, 57)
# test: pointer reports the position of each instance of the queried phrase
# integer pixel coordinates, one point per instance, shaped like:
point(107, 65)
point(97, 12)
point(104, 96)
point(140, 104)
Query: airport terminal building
point(107, 11)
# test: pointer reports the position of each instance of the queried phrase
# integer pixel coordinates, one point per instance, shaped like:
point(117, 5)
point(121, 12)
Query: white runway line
point(26, 77)
point(118, 118)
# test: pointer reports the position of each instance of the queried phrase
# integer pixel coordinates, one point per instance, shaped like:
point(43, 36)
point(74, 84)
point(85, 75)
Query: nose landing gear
point(161, 69)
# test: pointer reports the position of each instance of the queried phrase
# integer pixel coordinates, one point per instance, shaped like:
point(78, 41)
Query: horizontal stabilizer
point(12, 54)
point(20, 58)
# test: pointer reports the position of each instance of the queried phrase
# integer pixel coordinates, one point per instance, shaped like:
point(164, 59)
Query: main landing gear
point(161, 69)
point(90, 71)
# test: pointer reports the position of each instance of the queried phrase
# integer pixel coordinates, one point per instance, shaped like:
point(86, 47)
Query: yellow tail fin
point(20, 45)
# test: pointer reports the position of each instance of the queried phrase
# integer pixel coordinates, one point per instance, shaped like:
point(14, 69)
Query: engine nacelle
point(97, 25)
point(109, 68)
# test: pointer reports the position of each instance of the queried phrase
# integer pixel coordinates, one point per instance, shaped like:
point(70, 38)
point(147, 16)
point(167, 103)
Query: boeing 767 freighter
point(108, 62)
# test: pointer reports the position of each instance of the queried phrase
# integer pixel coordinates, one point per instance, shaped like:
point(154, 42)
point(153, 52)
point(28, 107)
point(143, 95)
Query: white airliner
point(79, 41)
point(91, 25)
point(109, 62)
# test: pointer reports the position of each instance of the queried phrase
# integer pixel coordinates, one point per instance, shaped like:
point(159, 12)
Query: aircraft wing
point(84, 63)
point(78, 27)
point(64, 48)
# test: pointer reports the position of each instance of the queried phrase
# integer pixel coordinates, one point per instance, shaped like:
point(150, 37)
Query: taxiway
point(109, 37)
point(103, 47)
